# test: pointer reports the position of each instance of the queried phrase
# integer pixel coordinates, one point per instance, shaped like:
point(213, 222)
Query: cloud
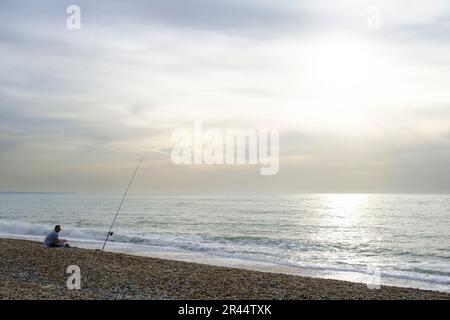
point(80, 106)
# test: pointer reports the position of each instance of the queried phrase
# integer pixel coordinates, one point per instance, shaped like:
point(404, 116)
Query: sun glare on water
point(346, 208)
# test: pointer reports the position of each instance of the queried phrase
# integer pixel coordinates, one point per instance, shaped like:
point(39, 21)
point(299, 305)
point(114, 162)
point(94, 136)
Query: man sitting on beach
point(52, 240)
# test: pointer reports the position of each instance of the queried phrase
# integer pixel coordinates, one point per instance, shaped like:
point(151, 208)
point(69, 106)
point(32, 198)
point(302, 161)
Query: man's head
point(57, 228)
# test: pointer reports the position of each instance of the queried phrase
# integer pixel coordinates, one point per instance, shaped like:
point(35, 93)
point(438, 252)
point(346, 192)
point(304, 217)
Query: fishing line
point(110, 233)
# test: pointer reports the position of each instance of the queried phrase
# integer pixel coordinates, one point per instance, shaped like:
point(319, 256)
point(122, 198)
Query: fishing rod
point(110, 233)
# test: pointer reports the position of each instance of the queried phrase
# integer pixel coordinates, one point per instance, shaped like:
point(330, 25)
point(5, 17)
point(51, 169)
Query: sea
point(378, 239)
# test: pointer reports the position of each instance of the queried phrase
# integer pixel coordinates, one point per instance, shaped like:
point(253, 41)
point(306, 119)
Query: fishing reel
point(110, 233)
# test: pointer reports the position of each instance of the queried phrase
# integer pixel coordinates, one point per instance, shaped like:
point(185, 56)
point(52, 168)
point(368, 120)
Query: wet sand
point(30, 271)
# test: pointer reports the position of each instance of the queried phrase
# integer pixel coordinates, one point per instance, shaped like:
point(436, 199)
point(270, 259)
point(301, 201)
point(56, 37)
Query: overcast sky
point(361, 107)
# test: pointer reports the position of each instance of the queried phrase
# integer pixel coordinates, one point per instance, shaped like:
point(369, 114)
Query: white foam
point(37, 229)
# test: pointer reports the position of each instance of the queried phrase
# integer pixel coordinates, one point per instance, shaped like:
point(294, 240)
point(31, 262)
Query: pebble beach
point(30, 271)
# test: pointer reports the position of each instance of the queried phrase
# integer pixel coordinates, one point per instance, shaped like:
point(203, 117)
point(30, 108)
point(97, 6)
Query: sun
point(344, 67)
point(340, 81)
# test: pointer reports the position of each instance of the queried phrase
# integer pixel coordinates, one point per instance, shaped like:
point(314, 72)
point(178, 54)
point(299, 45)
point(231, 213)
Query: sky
point(359, 91)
